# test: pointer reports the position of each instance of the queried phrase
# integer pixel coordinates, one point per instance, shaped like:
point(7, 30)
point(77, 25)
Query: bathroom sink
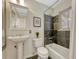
point(18, 39)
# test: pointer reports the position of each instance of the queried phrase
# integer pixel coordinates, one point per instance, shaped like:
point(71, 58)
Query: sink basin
point(18, 39)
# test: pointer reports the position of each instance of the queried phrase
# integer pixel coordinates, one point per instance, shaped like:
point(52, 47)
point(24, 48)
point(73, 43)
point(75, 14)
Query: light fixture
point(48, 2)
point(21, 2)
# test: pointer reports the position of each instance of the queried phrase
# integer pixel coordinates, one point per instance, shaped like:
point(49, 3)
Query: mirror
point(18, 16)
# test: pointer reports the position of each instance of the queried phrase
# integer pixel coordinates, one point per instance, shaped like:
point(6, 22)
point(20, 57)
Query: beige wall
point(10, 50)
point(35, 10)
point(73, 32)
point(4, 54)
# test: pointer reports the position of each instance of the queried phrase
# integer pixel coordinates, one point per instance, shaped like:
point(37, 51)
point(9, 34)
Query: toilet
point(42, 52)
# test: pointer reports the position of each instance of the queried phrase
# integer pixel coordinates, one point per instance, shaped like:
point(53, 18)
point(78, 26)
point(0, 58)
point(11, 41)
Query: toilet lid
point(42, 51)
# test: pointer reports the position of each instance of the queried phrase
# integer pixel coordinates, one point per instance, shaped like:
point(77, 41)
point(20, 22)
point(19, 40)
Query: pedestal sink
point(19, 41)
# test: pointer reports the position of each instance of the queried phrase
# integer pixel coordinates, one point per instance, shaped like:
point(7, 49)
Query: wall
point(4, 54)
point(37, 10)
point(65, 20)
point(48, 30)
point(73, 32)
point(10, 47)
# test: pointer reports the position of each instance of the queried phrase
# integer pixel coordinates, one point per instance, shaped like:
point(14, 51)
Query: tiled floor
point(35, 57)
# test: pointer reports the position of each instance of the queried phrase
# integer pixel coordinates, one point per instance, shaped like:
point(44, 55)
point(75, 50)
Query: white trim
point(72, 54)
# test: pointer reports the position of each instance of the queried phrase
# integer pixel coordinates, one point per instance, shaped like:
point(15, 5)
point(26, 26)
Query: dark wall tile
point(63, 38)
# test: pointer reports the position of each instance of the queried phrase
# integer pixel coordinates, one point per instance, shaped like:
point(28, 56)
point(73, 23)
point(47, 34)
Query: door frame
point(72, 54)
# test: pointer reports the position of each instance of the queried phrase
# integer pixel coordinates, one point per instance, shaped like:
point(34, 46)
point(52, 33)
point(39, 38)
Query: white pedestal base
point(20, 50)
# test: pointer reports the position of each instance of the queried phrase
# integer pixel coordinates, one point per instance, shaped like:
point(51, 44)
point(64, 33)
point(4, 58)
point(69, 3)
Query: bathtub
point(57, 52)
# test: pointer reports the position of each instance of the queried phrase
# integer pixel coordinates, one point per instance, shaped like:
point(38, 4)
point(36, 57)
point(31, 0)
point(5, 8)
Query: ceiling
point(40, 4)
point(48, 2)
point(43, 5)
point(33, 5)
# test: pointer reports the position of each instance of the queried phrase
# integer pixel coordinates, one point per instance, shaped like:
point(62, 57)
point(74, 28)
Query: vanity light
point(21, 2)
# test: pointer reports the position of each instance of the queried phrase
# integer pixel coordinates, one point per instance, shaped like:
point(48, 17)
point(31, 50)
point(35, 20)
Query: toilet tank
point(38, 42)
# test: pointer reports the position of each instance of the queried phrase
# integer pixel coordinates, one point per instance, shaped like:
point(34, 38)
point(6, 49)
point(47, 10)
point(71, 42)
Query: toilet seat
point(42, 51)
